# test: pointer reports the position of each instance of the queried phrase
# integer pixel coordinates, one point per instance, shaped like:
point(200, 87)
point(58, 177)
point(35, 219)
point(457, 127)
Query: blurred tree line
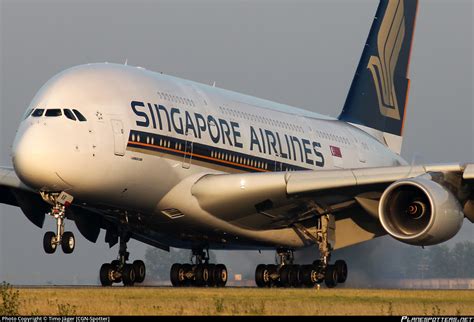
point(394, 261)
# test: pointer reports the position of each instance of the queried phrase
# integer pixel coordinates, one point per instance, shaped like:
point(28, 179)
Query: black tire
point(49, 244)
point(140, 270)
point(272, 270)
point(211, 282)
point(106, 275)
point(284, 275)
point(262, 278)
point(331, 277)
point(220, 274)
point(68, 242)
point(186, 269)
point(129, 275)
point(307, 275)
point(202, 275)
point(294, 276)
point(116, 265)
point(341, 268)
point(177, 275)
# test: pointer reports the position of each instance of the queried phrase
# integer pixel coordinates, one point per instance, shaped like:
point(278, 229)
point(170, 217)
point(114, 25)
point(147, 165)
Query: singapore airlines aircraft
point(174, 163)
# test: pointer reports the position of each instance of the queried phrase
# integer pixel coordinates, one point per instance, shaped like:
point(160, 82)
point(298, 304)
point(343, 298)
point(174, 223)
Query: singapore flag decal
point(336, 151)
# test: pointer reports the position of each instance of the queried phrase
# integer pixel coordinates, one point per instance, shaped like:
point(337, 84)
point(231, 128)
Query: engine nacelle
point(420, 212)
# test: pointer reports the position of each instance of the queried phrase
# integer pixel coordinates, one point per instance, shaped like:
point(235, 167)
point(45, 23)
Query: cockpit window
point(69, 114)
point(28, 113)
point(53, 112)
point(80, 117)
point(38, 112)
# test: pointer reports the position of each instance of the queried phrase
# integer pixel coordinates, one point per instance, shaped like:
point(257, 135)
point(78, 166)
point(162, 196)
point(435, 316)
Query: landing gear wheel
point(212, 280)
point(202, 275)
point(272, 270)
point(68, 242)
point(285, 275)
point(177, 275)
point(128, 275)
point(220, 274)
point(186, 269)
point(106, 275)
point(309, 275)
point(294, 276)
point(341, 268)
point(262, 276)
point(140, 270)
point(49, 242)
point(331, 276)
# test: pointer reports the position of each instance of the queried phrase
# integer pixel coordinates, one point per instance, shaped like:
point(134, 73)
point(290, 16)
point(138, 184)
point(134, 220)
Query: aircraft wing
point(14, 193)
point(287, 199)
point(9, 181)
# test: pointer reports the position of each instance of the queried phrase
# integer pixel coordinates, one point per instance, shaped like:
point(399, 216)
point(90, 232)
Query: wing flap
point(314, 181)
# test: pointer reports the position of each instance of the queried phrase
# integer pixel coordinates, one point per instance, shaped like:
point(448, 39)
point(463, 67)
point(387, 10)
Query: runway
point(163, 300)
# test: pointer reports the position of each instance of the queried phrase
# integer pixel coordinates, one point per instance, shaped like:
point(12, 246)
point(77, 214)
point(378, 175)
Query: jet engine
point(420, 211)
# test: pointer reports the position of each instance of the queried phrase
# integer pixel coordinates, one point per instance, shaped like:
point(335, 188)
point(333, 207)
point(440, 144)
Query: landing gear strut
point(287, 274)
point(200, 273)
point(66, 239)
point(119, 270)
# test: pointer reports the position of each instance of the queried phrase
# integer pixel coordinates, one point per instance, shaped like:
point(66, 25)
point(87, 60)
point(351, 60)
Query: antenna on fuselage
point(214, 84)
point(126, 62)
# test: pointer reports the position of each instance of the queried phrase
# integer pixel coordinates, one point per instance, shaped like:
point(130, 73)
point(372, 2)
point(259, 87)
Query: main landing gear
point(119, 271)
point(200, 273)
point(52, 240)
point(287, 274)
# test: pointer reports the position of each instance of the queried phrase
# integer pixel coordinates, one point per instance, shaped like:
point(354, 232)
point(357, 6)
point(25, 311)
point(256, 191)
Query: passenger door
point(119, 137)
point(188, 151)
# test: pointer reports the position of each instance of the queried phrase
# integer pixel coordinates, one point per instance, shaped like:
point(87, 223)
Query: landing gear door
point(119, 137)
point(188, 151)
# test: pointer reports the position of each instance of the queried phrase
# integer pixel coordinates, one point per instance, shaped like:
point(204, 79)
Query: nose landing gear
point(52, 240)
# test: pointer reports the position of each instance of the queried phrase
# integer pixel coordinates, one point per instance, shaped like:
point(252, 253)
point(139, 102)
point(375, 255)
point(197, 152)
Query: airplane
point(174, 163)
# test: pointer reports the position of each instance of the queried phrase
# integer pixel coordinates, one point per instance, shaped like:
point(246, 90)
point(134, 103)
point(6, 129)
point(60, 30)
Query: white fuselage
point(146, 132)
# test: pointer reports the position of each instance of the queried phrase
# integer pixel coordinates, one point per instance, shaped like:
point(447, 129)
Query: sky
point(301, 53)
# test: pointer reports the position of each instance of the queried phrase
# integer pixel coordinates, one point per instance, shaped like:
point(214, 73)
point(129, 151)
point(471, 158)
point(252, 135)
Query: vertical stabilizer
point(378, 95)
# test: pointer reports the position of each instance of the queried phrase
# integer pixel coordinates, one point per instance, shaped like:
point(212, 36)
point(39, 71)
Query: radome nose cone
point(35, 161)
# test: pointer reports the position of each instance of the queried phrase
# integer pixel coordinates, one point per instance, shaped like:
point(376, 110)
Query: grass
point(242, 301)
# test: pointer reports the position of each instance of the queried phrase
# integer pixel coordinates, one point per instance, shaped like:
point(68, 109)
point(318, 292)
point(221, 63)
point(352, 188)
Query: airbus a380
point(174, 163)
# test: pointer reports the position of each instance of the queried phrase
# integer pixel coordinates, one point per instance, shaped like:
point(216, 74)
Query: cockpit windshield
point(38, 112)
point(53, 112)
point(73, 115)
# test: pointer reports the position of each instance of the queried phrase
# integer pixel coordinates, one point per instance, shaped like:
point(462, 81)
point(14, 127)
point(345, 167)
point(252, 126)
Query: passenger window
point(69, 114)
point(38, 112)
point(79, 116)
point(53, 113)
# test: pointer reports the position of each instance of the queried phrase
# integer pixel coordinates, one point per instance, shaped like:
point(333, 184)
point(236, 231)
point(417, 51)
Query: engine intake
point(420, 212)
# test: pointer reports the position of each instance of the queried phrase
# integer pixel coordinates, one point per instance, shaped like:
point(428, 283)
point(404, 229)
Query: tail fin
point(379, 92)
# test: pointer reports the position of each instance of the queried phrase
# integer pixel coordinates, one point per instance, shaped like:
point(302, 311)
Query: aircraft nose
point(36, 159)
